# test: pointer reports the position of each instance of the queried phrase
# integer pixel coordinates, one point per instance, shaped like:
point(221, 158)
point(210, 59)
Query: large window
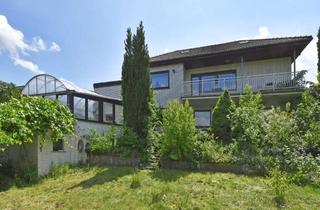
point(160, 80)
point(118, 114)
point(203, 118)
point(93, 110)
point(107, 112)
point(213, 82)
point(79, 107)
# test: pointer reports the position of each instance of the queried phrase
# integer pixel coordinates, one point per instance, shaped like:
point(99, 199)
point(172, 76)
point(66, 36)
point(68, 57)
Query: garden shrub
point(103, 143)
point(57, 171)
point(247, 125)
point(302, 168)
point(209, 150)
point(281, 133)
point(279, 184)
point(128, 142)
point(135, 181)
point(307, 116)
point(221, 123)
point(179, 132)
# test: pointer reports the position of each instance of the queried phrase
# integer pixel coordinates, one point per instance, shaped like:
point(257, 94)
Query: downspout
point(241, 70)
point(294, 62)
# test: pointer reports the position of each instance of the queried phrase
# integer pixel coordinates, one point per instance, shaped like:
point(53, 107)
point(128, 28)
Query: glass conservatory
point(84, 104)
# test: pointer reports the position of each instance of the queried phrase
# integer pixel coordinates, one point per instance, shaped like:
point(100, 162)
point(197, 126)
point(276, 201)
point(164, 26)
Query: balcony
point(262, 82)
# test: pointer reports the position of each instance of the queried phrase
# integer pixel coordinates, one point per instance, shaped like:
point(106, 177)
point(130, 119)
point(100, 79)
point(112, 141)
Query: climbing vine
point(24, 119)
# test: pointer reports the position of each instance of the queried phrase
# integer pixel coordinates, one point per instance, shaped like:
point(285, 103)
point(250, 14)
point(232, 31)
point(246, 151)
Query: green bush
point(307, 116)
point(279, 184)
point(247, 125)
point(221, 123)
point(57, 171)
point(102, 144)
point(179, 132)
point(128, 142)
point(135, 181)
point(213, 152)
point(281, 130)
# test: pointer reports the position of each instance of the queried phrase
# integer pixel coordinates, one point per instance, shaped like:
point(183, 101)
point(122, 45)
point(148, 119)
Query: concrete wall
point(175, 90)
point(47, 157)
point(21, 157)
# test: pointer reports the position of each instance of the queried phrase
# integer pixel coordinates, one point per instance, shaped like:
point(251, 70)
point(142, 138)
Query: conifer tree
point(318, 46)
point(136, 93)
point(220, 121)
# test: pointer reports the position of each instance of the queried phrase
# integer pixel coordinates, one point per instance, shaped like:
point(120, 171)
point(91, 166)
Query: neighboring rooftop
point(107, 84)
point(298, 42)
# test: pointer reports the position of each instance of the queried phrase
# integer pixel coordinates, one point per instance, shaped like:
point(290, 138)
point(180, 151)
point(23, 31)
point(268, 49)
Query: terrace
point(210, 86)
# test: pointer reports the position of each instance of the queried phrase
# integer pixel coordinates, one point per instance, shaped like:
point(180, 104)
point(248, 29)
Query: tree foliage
point(307, 116)
point(8, 91)
point(179, 132)
point(22, 120)
point(247, 123)
point(136, 83)
point(221, 123)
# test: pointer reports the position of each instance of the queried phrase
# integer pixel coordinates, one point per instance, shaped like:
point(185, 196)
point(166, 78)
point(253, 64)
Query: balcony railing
point(262, 82)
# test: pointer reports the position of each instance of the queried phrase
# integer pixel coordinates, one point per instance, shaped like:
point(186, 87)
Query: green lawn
point(109, 188)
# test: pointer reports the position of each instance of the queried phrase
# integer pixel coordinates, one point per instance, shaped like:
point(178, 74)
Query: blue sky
point(82, 41)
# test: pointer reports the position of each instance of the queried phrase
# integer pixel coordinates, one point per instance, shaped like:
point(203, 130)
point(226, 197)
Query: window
point(118, 114)
point(213, 82)
point(160, 80)
point(63, 99)
point(79, 107)
point(93, 110)
point(107, 112)
point(203, 118)
point(41, 85)
point(58, 145)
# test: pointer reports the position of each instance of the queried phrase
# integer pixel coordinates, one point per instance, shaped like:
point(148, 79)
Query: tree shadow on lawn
point(105, 175)
point(169, 175)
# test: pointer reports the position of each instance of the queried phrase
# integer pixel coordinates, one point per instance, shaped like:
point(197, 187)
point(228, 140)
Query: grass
point(111, 188)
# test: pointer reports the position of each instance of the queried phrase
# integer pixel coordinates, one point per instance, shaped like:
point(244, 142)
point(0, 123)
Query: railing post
point(273, 82)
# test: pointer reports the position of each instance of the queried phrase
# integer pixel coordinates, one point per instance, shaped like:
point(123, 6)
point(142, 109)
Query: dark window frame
point(58, 146)
point(200, 75)
point(203, 110)
point(70, 104)
point(161, 72)
point(100, 102)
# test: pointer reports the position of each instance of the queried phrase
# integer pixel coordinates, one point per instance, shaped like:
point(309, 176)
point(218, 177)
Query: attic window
point(243, 42)
point(184, 51)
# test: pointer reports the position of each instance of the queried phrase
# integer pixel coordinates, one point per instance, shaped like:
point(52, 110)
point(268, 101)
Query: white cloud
point(27, 65)
point(55, 47)
point(12, 43)
point(308, 60)
point(38, 44)
point(263, 33)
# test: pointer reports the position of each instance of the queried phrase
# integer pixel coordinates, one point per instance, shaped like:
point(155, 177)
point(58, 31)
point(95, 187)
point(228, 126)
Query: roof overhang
point(291, 49)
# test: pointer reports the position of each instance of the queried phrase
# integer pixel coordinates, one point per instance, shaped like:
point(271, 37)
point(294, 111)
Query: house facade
point(200, 74)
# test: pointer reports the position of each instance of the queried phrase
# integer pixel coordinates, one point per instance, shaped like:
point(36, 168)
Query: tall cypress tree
point(126, 73)
point(318, 46)
point(136, 83)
